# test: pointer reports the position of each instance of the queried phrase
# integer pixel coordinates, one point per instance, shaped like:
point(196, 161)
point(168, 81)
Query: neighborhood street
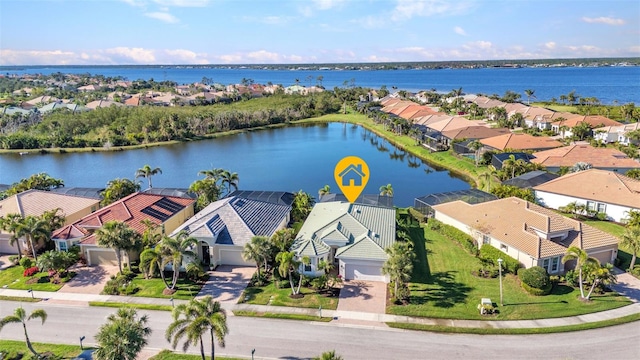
point(300, 340)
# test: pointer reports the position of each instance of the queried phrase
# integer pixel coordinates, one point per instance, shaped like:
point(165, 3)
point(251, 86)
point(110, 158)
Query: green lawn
point(154, 287)
point(443, 287)
point(168, 355)
point(12, 277)
point(282, 316)
point(280, 297)
point(16, 349)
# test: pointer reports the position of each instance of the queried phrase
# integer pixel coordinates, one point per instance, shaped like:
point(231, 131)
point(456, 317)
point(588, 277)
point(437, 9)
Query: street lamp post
point(81, 338)
point(171, 299)
point(252, 352)
point(31, 292)
point(500, 275)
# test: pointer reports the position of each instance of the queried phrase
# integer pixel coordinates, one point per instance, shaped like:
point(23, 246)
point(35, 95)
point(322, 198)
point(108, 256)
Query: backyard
point(443, 287)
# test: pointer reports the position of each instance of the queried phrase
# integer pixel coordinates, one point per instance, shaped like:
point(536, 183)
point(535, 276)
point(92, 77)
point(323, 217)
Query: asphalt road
point(284, 339)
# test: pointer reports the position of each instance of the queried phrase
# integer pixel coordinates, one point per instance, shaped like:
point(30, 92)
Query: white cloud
point(327, 4)
point(183, 3)
point(603, 20)
point(406, 9)
point(135, 55)
point(550, 45)
point(162, 16)
point(460, 31)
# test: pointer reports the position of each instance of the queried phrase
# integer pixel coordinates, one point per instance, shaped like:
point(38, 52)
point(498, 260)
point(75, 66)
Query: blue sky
point(112, 32)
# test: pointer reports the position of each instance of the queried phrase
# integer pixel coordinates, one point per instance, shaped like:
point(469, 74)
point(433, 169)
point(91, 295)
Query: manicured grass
point(281, 316)
point(14, 350)
point(18, 298)
point(624, 253)
point(443, 287)
point(131, 305)
point(557, 107)
point(169, 355)
point(154, 288)
point(280, 297)
point(523, 331)
point(14, 279)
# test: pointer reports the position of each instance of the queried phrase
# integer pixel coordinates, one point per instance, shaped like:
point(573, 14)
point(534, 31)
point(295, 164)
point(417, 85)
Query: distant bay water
point(610, 84)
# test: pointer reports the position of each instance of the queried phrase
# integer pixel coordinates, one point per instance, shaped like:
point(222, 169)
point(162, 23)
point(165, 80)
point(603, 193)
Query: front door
point(206, 258)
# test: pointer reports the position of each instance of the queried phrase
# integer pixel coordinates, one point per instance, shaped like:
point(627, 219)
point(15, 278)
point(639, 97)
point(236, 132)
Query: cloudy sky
point(106, 32)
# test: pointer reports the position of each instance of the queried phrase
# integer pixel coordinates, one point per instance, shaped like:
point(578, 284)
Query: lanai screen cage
point(472, 196)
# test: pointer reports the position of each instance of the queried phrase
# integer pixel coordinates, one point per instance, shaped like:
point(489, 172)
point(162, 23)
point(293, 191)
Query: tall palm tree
point(600, 275)
point(632, 219)
point(123, 336)
point(631, 239)
point(476, 146)
point(193, 320)
point(581, 258)
point(32, 228)
point(386, 190)
point(152, 260)
point(178, 248)
point(147, 172)
point(20, 316)
point(257, 250)
point(488, 176)
point(288, 264)
point(118, 236)
point(530, 94)
point(213, 173)
point(399, 264)
point(230, 179)
point(11, 223)
point(324, 191)
point(117, 189)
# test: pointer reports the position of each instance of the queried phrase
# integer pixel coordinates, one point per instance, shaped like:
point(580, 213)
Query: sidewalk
point(351, 315)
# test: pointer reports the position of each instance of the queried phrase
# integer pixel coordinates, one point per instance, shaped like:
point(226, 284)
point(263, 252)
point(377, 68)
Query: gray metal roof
point(366, 199)
point(274, 197)
point(530, 179)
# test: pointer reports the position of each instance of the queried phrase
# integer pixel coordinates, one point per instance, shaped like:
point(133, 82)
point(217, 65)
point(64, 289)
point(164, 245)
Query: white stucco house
point(353, 237)
point(603, 191)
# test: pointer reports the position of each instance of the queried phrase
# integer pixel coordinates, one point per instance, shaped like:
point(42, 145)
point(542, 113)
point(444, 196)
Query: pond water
point(282, 159)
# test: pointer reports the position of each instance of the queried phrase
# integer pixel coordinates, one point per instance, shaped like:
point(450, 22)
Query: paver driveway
point(365, 296)
point(227, 283)
point(89, 279)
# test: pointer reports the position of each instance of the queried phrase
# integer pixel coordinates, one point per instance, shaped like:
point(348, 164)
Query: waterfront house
point(564, 127)
point(529, 233)
point(619, 133)
point(225, 226)
point(353, 237)
point(520, 142)
point(165, 212)
point(601, 191)
point(600, 158)
point(36, 203)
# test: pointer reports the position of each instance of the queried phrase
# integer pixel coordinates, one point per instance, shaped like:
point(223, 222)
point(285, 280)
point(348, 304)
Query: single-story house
point(223, 227)
point(167, 212)
point(610, 134)
point(35, 203)
point(529, 233)
point(353, 237)
point(520, 142)
point(603, 191)
point(600, 158)
point(564, 127)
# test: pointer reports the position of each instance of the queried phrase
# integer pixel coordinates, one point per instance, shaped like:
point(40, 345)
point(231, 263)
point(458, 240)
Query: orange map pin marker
point(351, 174)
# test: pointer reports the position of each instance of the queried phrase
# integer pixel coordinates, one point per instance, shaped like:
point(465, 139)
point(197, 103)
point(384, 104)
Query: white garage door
point(233, 257)
point(6, 248)
point(102, 257)
point(362, 270)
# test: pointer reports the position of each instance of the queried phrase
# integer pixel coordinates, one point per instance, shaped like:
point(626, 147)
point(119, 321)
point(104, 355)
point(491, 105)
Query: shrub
point(636, 271)
point(489, 253)
point(537, 292)
point(26, 262)
point(535, 276)
point(13, 259)
point(452, 233)
point(120, 285)
point(30, 271)
point(571, 278)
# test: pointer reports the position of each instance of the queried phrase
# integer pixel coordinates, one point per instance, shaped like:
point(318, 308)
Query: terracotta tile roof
point(598, 157)
point(520, 142)
point(598, 185)
point(426, 111)
point(595, 121)
point(514, 222)
point(474, 132)
point(453, 124)
point(131, 210)
point(36, 202)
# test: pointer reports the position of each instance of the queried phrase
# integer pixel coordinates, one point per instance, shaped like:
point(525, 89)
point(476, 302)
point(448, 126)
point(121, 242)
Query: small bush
point(636, 271)
point(602, 216)
point(536, 277)
point(489, 253)
point(537, 292)
point(120, 285)
point(571, 278)
point(26, 262)
point(31, 271)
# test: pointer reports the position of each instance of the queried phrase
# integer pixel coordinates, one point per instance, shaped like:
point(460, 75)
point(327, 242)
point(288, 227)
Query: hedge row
point(492, 254)
point(452, 233)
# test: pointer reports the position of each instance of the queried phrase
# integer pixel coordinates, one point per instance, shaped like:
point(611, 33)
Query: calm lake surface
point(285, 159)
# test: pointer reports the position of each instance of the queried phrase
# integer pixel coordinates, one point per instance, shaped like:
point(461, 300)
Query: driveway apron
point(363, 296)
point(227, 283)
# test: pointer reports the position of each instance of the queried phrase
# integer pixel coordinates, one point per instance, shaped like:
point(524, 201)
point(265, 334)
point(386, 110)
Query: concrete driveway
point(364, 296)
point(227, 283)
point(89, 279)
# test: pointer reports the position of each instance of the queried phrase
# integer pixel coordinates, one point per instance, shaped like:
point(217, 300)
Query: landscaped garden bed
point(13, 278)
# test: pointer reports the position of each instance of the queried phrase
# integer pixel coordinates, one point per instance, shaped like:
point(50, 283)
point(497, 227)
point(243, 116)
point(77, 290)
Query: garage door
point(361, 271)
point(233, 257)
point(604, 257)
point(6, 248)
point(102, 257)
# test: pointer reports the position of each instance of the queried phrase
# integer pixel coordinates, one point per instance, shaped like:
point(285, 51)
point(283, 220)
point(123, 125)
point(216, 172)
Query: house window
point(486, 239)
point(591, 205)
point(554, 264)
point(602, 207)
point(62, 245)
point(504, 248)
point(545, 264)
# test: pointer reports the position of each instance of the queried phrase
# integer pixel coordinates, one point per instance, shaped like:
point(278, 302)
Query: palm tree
point(193, 320)
point(152, 260)
point(581, 258)
point(147, 172)
point(488, 176)
point(632, 219)
point(600, 274)
point(214, 173)
point(386, 190)
point(631, 239)
point(117, 189)
point(11, 223)
point(324, 191)
point(118, 236)
point(476, 145)
point(20, 316)
point(257, 250)
point(328, 355)
point(123, 336)
point(399, 264)
point(288, 264)
point(32, 228)
point(176, 249)
point(530, 94)
point(231, 179)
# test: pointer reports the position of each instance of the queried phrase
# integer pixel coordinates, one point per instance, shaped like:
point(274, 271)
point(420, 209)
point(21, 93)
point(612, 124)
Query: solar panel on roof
point(155, 213)
point(169, 205)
